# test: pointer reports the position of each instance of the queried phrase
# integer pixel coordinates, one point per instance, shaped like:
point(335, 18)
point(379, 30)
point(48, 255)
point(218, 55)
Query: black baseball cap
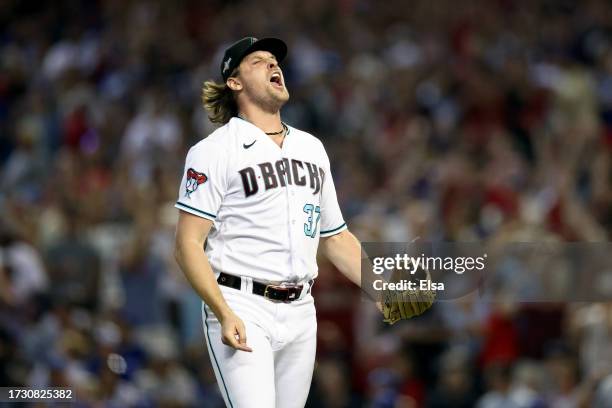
point(240, 49)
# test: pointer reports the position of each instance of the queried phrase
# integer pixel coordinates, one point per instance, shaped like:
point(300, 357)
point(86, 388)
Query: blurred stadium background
point(461, 121)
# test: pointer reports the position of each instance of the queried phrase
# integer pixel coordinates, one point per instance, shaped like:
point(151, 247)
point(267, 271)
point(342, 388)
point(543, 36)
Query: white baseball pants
point(278, 373)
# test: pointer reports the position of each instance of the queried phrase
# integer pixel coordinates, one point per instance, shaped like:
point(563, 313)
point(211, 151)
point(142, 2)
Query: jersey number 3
point(310, 226)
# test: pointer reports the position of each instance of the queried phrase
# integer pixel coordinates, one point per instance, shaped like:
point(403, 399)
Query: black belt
point(272, 292)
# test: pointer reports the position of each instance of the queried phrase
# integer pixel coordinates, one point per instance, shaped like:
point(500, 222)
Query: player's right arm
point(203, 186)
point(191, 233)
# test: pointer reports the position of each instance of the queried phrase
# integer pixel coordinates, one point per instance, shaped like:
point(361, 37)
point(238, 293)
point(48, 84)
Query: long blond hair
point(219, 101)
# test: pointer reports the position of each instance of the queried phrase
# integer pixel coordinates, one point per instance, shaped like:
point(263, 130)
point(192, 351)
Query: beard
point(269, 100)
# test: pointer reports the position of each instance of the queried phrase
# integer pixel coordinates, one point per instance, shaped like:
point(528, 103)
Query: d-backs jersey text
point(269, 205)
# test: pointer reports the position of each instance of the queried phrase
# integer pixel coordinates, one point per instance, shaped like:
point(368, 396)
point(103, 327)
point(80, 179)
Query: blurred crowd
point(476, 121)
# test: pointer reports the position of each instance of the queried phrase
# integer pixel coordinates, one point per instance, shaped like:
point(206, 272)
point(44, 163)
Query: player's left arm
point(344, 251)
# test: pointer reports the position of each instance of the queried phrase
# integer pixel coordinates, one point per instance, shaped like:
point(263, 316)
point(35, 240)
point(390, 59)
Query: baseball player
point(259, 196)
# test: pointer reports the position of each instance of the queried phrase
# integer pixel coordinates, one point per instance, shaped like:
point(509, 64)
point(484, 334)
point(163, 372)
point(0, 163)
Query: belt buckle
point(268, 287)
point(284, 289)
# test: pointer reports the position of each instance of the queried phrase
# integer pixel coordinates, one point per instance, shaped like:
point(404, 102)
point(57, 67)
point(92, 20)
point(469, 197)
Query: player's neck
point(266, 121)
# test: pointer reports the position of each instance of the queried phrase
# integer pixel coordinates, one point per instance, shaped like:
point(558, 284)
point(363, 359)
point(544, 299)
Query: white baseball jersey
point(269, 204)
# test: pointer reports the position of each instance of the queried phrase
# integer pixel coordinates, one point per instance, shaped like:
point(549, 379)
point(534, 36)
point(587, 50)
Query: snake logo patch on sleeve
point(194, 179)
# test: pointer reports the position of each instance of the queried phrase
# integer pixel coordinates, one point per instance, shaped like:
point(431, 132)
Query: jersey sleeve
point(204, 181)
point(332, 221)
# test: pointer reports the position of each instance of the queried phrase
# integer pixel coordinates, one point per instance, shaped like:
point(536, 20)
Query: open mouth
point(276, 79)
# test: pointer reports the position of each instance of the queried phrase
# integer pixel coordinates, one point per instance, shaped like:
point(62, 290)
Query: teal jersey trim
point(214, 356)
point(333, 230)
point(178, 203)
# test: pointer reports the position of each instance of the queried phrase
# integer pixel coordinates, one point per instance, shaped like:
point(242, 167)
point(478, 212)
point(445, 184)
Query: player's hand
point(405, 304)
point(233, 333)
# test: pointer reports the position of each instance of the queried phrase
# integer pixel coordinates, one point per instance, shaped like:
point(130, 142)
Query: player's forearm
point(344, 251)
point(194, 264)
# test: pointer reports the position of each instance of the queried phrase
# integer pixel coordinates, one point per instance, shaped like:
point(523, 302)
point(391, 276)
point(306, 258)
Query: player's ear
point(234, 83)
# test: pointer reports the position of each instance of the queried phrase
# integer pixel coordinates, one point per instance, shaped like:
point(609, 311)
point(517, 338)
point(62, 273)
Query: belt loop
point(306, 289)
point(247, 284)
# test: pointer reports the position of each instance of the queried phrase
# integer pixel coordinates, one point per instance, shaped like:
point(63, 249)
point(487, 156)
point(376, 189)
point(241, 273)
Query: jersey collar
point(241, 119)
point(260, 133)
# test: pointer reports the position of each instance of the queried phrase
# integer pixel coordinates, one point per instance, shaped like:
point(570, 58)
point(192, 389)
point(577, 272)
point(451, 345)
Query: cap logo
point(226, 64)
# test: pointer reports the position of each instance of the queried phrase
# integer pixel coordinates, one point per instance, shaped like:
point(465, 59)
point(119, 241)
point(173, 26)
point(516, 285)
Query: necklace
point(277, 133)
point(284, 129)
